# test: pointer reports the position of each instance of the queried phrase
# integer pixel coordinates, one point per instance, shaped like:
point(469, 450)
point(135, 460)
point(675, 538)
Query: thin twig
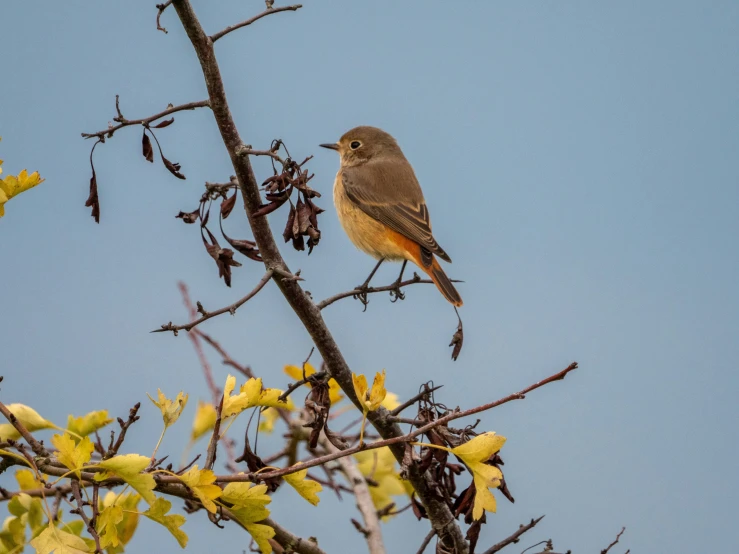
point(411, 401)
point(249, 21)
point(161, 8)
point(80, 510)
point(228, 309)
point(395, 286)
point(371, 527)
point(35, 445)
point(605, 551)
point(213, 445)
point(227, 359)
point(132, 418)
point(514, 537)
point(395, 440)
point(215, 392)
point(426, 541)
point(145, 120)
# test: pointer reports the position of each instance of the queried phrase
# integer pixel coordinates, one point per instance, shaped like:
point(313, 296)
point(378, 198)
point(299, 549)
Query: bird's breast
point(367, 234)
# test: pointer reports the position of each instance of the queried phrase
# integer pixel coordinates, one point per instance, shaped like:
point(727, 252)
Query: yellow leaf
point(125, 529)
point(72, 455)
point(268, 418)
point(261, 533)
point(370, 398)
point(391, 401)
point(205, 420)
point(30, 419)
point(28, 509)
point(12, 535)
point(86, 424)
point(158, 512)
point(12, 186)
point(474, 453)
point(107, 525)
point(59, 541)
point(249, 507)
point(129, 467)
point(171, 409)
point(250, 394)
point(306, 488)
point(201, 484)
point(296, 373)
point(27, 480)
point(384, 482)
point(248, 501)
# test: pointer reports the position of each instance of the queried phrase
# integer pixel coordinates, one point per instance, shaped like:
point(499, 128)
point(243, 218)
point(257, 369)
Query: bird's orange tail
point(443, 283)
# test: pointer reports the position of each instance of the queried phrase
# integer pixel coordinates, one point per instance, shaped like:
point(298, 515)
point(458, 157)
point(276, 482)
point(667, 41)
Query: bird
point(381, 206)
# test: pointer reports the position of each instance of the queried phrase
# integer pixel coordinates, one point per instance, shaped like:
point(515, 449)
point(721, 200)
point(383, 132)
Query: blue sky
point(579, 161)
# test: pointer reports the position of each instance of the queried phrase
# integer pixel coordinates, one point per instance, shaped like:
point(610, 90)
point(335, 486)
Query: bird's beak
point(330, 146)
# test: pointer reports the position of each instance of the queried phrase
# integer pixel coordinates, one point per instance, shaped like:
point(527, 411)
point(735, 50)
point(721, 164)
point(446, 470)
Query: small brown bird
point(381, 206)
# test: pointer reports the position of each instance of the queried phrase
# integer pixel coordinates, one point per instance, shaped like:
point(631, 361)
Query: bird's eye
point(355, 144)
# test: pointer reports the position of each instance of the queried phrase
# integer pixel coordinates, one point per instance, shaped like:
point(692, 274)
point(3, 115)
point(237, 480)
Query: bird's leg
point(395, 293)
point(364, 287)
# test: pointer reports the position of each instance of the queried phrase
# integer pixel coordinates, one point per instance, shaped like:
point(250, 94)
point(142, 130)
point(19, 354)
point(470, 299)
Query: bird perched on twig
point(382, 209)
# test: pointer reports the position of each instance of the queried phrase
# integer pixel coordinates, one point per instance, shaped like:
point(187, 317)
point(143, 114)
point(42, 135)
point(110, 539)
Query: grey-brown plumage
point(381, 205)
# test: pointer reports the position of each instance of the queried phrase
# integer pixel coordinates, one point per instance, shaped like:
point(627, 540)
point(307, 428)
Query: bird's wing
point(374, 189)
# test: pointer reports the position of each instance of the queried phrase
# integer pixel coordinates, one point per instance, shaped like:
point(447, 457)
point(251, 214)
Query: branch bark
point(438, 512)
point(372, 531)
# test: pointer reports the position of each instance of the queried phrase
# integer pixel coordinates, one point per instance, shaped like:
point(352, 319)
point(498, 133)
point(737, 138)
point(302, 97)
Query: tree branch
point(123, 122)
point(224, 32)
point(372, 531)
point(438, 512)
point(514, 537)
point(35, 445)
point(416, 279)
point(81, 511)
point(231, 308)
point(394, 441)
point(289, 541)
point(614, 543)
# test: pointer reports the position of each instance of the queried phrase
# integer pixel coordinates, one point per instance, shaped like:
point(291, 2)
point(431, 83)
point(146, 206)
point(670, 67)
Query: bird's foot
point(362, 294)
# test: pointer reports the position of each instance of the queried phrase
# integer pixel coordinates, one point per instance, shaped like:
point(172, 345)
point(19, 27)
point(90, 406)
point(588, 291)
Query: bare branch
point(132, 418)
point(227, 360)
point(161, 8)
point(265, 13)
point(289, 541)
point(213, 446)
point(230, 309)
point(614, 543)
point(514, 537)
point(416, 279)
point(123, 122)
point(426, 541)
point(424, 393)
point(81, 511)
point(438, 512)
point(371, 529)
point(215, 392)
point(396, 440)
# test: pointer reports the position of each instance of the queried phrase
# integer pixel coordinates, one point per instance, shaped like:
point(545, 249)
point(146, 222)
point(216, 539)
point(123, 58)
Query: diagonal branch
point(123, 122)
point(35, 445)
point(615, 542)
point(394, 441)
point(249, 21)
point(514, 537)
point(230, 309)
point(441, 517)
point(371, 531)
